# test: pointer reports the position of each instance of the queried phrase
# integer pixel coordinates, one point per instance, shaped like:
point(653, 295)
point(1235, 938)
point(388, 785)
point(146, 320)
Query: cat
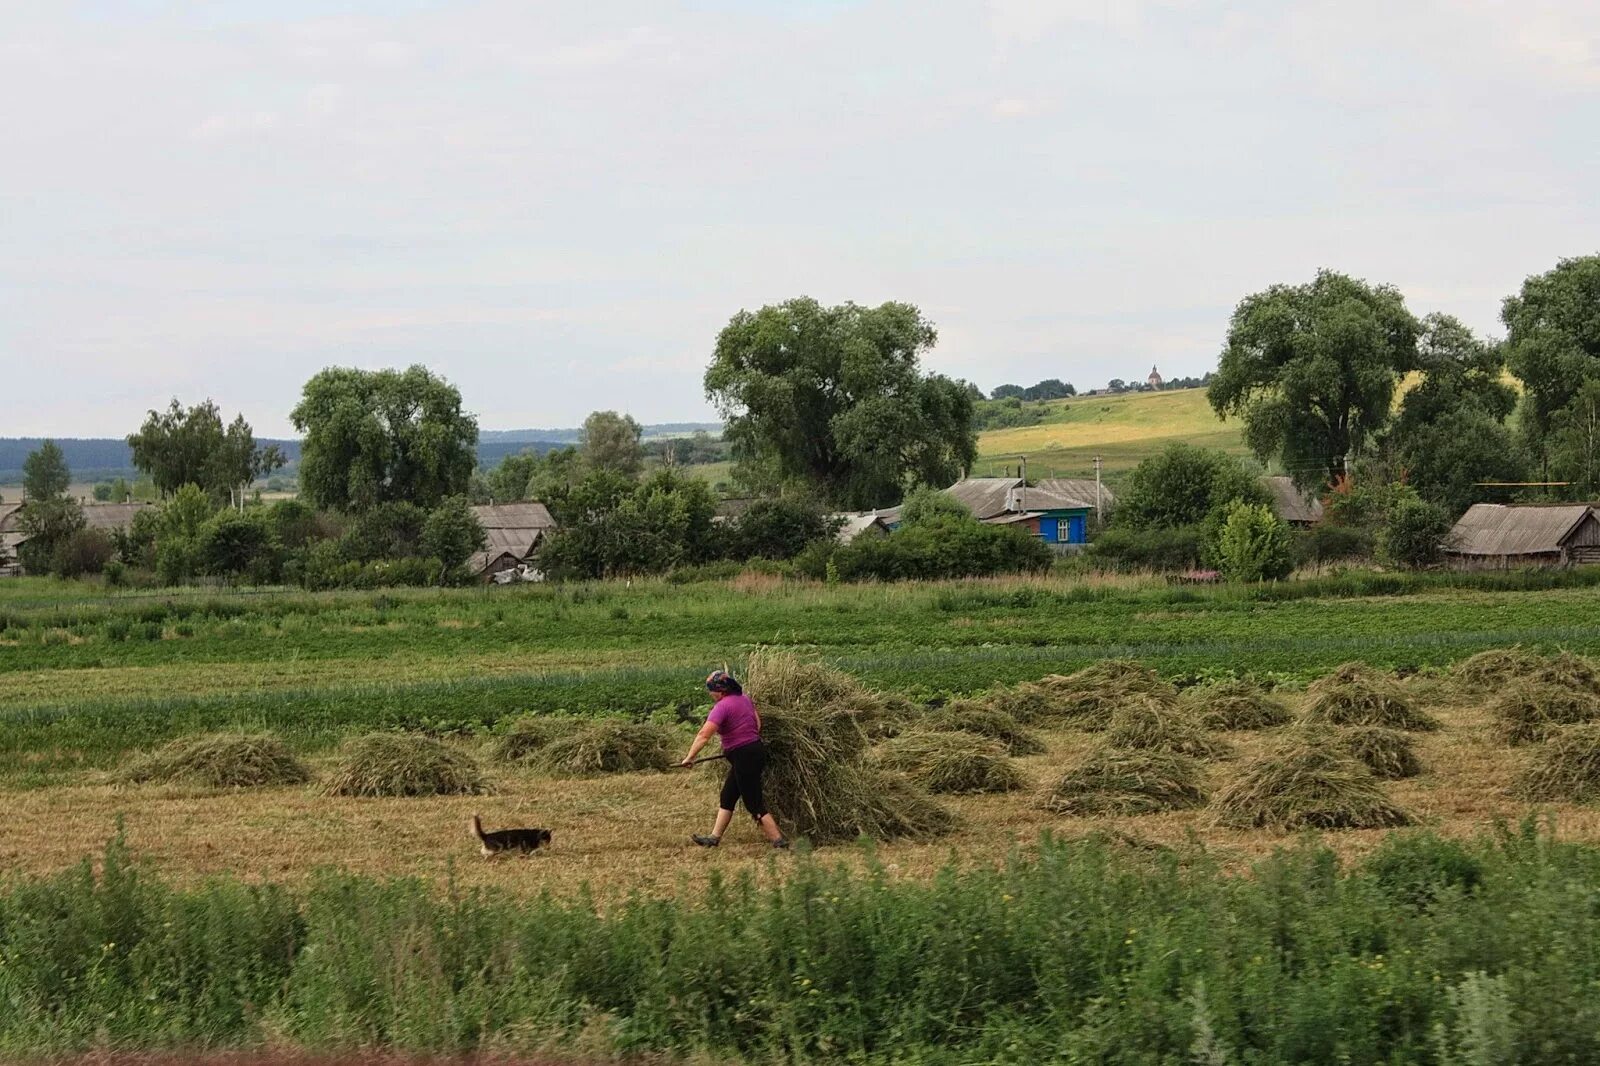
point(502, 840)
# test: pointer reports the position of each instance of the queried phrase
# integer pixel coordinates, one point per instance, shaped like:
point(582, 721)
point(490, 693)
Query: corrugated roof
point(1080, 489)
point(1498, 529)
point(514, 516)
point(853, 525)
point(985, 497)
point(1290, 503)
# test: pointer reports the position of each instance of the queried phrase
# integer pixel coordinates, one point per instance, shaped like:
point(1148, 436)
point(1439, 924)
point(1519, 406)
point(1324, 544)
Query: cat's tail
point(475, 827)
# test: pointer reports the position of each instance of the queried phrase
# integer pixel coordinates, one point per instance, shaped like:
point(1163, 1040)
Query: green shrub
point(1414, 534)
point(1171, 549)
point(1253, 544)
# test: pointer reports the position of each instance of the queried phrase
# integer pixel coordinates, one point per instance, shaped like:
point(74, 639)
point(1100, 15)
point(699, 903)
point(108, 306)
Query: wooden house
point(1501, 536)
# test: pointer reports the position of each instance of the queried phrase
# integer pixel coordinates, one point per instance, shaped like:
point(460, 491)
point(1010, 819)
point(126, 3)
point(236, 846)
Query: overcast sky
point(557, 205)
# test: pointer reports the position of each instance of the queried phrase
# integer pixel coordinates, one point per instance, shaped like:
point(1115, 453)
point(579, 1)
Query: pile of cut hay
point(1568, 670)
point(1567, 769)
point(1087, 699)
point(1355, 694)
point(971, 716)
point(1234, 706)
point(951, 763)
point(1526, 712)
point(1488, 670)
point(404, 764)
point(1306, 786)
point(611, 746)
point(528, 735)
point(1144, 724)
point(1116, 782)
point(1386, 752)
point(222, 760)
point(819, 780)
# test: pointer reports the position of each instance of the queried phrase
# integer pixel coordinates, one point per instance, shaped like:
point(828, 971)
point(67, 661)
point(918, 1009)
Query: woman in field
point(734, 718)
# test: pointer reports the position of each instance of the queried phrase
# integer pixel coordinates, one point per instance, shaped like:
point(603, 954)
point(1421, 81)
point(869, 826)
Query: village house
point(1056, 510)
point(107, 517)
point(1497, 536)
point(513, 532)
point(1294, 505)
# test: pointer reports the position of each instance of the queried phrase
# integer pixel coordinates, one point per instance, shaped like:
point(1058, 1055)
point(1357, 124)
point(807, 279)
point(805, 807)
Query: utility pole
point(1097, 488)
point(1023, 488)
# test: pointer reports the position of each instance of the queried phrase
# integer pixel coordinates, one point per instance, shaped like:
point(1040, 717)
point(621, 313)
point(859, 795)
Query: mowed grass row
point(1076, 951)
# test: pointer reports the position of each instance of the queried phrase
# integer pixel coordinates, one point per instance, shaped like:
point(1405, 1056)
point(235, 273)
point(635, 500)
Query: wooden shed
point(1501, 536)
point(1294, 505)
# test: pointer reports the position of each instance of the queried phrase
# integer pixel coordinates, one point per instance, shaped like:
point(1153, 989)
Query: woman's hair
point(725, 683)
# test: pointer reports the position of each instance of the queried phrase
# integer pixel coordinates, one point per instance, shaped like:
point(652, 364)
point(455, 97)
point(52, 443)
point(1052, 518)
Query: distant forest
point(102, 458)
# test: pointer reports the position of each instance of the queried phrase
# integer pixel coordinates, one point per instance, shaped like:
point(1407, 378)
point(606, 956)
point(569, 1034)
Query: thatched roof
point(1498, 529)
point(1292, 504)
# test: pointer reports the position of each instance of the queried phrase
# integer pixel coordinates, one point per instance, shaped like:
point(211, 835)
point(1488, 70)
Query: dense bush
point(775, 529)
point(85, 551)
point(232, 544)
point(1413, 534)
point(1327, 542)
point(945, 546)
point(1184, 486)
point(1177, 548)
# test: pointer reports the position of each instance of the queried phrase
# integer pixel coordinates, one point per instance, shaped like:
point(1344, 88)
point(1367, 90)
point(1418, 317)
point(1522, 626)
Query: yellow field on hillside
point(1122, 430)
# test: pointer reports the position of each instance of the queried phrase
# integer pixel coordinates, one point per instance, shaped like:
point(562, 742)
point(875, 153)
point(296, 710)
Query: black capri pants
point(745, 764)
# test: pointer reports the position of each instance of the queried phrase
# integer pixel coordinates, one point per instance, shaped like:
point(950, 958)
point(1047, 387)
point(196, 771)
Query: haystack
point(1526, 712)
point(1306, 786)
point(404, 764)
point(972, 716)
point(1146, 723)
point(1566, 770)
point(1112, 781)
point(1355, 694)
point(1488, 670)
point(1087, 699)
point(611, 746)
point(1387, 753)
point(951, 763)
point(819, 781)
point(222, 760)
point(527, 736)
point(1233, 706)
point(1493, 670)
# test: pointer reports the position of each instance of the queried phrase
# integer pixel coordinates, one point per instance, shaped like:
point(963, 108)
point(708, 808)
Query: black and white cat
point(502, 840)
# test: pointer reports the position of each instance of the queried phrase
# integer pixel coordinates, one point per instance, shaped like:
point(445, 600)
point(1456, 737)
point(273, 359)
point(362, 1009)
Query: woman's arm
point(701, 738)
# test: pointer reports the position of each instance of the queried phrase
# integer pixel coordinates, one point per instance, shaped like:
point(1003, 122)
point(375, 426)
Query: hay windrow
point(1112, 781)
point(1144, 723)
point(1355, 694)
point(1565, 770)
point(972, 716)
point(610, 747)
point(1306, 786)
point(951, 763)
point(529, 734)
point(221, 760)
point(1387, 753)
point(1236, 706)
point(1526, 712)
point(404, 764)
point(819, 782)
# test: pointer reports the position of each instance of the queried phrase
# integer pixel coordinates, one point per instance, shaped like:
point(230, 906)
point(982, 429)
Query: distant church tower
point(1154, 380)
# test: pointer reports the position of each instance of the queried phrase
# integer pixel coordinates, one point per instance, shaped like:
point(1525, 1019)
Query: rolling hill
point(1121, 429)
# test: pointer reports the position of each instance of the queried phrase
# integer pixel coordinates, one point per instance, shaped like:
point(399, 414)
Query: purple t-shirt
point(735, 719)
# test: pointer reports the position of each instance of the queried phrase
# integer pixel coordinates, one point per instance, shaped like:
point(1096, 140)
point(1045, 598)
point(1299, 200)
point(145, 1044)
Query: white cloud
point(237, 123)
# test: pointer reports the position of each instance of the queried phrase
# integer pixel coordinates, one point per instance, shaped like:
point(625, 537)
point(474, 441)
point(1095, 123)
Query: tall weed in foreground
point(1078, 951)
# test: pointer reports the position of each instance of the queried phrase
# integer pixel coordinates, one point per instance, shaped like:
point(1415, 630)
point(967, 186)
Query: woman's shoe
point(781, 842)
point(705, 841)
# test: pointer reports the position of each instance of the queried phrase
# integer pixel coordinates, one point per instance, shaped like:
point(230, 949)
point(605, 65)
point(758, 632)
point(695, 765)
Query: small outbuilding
point(860, 523)
point(513, 532)
point(1497, 536)
point(1294, 505)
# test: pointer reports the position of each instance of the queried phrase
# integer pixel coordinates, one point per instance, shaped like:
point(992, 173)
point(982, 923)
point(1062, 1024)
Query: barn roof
point(853, 525)
point(514, 516)
point(1499, 529)
point(8, 516)
point(1290, 503)
point(985, 497)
